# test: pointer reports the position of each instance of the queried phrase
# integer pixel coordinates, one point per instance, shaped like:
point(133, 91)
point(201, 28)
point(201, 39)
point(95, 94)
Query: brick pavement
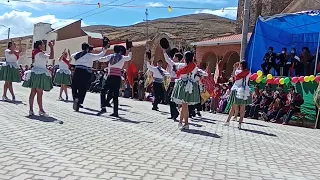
point(143, 144)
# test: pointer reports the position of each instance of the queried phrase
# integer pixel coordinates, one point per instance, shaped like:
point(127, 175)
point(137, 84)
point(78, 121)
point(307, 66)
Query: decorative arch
point(229, 60)
point(211, 59)
point(154, 45)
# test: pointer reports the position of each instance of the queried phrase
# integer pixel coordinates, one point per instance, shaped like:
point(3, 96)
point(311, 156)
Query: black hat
point(164, 43)
point(173, 52)
point(123, 50)
point(85, 46)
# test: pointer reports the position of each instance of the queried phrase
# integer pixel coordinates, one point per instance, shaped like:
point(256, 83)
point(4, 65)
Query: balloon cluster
point(269, 79)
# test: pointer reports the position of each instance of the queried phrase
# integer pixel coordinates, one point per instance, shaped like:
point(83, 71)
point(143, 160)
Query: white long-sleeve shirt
point(118, 64)
point(171, 63)
point(88, 59)
point(156, 73)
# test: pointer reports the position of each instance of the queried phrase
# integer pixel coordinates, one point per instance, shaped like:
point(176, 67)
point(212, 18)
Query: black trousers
point(158, 92)
point(112, 87)
point(173, 106)
point(266, 66)
point(80, 84)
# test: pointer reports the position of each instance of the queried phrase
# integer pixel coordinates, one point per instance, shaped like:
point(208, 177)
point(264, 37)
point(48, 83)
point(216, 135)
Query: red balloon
point(276, 80)
point(253, 76)
point(295, 80)
point(301, 79)
point(270, 81)
point(317, 79)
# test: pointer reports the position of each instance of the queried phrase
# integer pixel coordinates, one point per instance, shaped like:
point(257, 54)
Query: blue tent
point(296, 30)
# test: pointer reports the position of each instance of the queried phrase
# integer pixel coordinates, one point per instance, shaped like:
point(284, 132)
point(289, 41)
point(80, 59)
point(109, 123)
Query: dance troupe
point(184, 89)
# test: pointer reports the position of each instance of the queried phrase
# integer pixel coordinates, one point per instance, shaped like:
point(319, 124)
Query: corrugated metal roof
point(94, 34)
point(233, 39)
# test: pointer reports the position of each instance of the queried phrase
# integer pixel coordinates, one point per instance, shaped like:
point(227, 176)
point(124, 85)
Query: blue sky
point(20, 16)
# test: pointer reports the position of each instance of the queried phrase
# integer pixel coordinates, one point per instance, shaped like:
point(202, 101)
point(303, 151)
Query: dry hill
point(195, 27)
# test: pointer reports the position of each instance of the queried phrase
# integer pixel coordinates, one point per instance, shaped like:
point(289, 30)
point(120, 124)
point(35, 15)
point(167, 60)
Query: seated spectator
point(292, 106)
point(266, 99)
point(256, 98)
point(283, 59)
point(269, 61)
point(224, 98)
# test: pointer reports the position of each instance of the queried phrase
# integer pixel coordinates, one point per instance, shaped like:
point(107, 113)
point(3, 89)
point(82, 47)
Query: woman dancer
point(186, 90)
point(9, 72)
point(63, 74)
point(240, 91)
point(39, 78)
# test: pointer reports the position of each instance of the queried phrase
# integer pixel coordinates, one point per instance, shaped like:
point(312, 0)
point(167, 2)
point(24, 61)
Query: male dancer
point(158, 75)
point(174, 66)
point(113, 82)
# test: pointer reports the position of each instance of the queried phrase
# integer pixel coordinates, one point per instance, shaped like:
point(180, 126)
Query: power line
point(122, 5)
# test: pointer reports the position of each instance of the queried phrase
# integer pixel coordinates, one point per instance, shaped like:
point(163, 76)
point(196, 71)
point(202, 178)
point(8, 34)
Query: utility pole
point(147, 25)
point(8, 33)
point(245, 28)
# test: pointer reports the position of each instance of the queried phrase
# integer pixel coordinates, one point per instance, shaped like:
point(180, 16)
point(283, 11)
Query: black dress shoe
point(114, 115)
point(155, 109)
point(103, 110)
point(170, 118)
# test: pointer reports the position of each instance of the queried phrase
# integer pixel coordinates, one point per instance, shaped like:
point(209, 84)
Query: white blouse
point(171, 64)
point(63, 65)
point(155, 71)
point(40, 64)
point(11, 59)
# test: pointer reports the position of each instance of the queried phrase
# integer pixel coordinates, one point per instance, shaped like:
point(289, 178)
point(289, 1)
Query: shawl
point(186, 70)
point(115, 58)
point(66, 61)
point(241, 75)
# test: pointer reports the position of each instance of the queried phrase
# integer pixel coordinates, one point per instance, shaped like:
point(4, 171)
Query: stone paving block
point(144, 144)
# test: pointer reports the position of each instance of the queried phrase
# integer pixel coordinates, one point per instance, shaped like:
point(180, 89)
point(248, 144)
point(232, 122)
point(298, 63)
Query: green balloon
point(264, 80)
point(286, 80)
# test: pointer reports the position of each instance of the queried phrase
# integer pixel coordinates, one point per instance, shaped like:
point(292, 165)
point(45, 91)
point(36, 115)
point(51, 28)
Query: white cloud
point(21, 23)
point(155, 4)
point(228, 12)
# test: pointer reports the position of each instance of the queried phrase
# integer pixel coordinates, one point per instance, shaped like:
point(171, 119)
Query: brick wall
point(210, 54)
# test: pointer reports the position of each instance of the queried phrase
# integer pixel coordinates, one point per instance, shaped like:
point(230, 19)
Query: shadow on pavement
point(259, 132)
point(254, 124)
point(203, 133)
point(14, 102)
point(45, 119)
point(125, 120)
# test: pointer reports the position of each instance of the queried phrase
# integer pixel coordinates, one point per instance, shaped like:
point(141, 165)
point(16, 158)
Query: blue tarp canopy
point(296, 30)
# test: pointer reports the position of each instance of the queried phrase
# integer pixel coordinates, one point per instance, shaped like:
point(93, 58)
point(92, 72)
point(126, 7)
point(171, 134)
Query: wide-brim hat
point(123, 49)
point(173, 52)
point(164, 43)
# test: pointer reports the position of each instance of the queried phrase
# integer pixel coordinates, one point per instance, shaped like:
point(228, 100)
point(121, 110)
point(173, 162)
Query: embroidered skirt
point(10, 73)
point(180, 95)
point(62, 78)
point(40, 80)
point(234, 100)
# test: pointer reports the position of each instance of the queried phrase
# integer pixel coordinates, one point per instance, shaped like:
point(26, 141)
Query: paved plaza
point(143, 144)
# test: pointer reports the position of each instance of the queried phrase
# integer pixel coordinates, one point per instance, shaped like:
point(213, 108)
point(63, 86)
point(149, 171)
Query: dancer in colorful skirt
point(240, 91)
point(186, 89)
point(175, 65)
point(9, 71)
point(39, 78)
point(63, 74)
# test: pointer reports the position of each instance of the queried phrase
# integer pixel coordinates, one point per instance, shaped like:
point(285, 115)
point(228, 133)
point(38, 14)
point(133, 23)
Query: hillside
point(195, 27)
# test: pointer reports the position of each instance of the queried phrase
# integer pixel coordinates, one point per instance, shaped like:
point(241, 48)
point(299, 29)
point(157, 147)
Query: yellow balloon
point(312, 78)
point(258, 80)
point(306, 79)
point(281, 81)
point(259, 73)
point(269, 76)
